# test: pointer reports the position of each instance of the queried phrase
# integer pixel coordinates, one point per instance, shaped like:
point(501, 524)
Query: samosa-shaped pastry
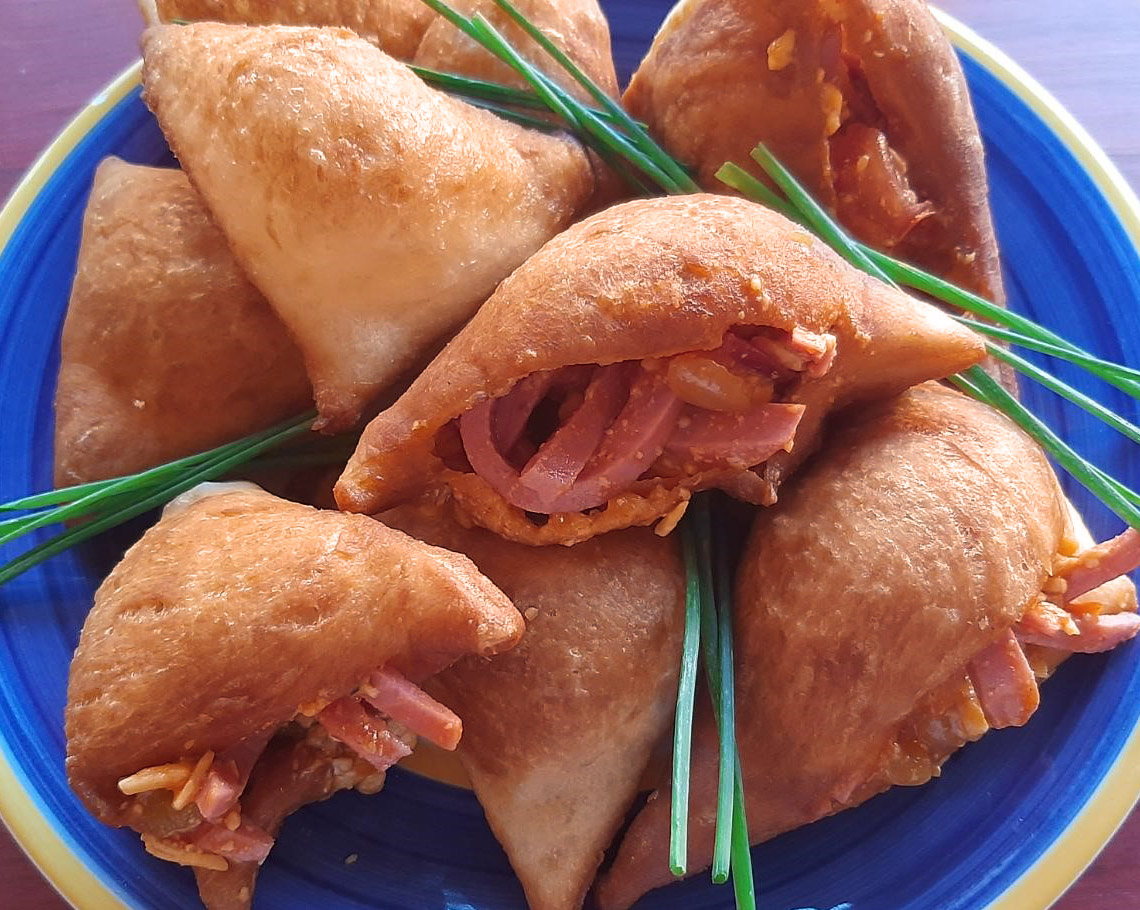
point(411, 30)
point(864, 100)
point(557, 732)
point(656, 348)
point(395, 26)
point(881, 610)
point(374, 213)
point(249, 655)
point(167, 349)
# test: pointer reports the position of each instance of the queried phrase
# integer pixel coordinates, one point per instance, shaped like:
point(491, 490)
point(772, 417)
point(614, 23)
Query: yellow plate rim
point(1041, 885)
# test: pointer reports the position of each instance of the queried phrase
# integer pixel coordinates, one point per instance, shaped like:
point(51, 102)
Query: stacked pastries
point(348, 219)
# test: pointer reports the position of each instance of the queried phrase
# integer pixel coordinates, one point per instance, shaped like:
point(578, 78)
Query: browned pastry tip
point(577, 27)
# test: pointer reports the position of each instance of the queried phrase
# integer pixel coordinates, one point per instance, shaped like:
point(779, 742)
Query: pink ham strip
point(245, 844)
point(561, 458)
point(348, 721)
point(1004, 683)
point(629, 446)
point(406, 703)
point(1093, 567)
point(795, 352)
point(228, 776)
point(708, 439)
point(1094, 633)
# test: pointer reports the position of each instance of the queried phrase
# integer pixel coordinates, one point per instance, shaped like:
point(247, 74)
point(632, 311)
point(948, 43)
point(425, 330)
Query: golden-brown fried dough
point(866, 605)
point(556, 732)
point(233, 611)
point(864, 100)
point(577, 27)
point(167, 349)
point(395, 26)
point(374, 213)
point(641, 281)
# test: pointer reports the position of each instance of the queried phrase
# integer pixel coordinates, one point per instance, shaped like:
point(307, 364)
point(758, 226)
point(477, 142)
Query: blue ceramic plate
point(1012, 821)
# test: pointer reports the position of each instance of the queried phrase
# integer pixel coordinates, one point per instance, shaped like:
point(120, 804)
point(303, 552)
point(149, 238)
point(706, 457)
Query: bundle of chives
point(708, 633)
point(106, 504)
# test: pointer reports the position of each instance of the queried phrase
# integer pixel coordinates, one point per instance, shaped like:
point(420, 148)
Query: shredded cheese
point(193, 782)
point(183, 854)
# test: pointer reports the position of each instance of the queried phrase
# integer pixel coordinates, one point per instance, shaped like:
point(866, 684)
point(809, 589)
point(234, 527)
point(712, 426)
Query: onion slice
point(245, 844)
point(559, 460)
point(630, 445)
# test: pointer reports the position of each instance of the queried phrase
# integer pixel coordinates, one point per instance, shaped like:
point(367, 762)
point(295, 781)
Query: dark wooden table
point(55, 54)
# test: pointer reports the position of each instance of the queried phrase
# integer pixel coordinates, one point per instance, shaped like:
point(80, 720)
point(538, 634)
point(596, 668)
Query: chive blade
point(1123, 377)
point(637, 136)
point(522, 119)
point(683, 724)
point(469, 87)
point(733, 175)
point(1077, 397)
point(743, 881)
point(712, 651)
point(724, 683)
point(981, 386)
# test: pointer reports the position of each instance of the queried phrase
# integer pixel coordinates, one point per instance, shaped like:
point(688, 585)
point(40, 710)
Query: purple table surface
point(56, 54)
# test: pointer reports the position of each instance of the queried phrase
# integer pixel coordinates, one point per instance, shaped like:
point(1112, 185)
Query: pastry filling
point(570, 439)
point(189, 812)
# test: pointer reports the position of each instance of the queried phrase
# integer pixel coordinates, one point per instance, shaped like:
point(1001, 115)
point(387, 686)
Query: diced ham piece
point(1004, 683)
point(799, 351)
point(349, 722)
point(1093, 567)
point(708, 439)
point(818, 350)
point(391, 693)
point(1045, 621)
point(228, 776)
point(245, 844)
